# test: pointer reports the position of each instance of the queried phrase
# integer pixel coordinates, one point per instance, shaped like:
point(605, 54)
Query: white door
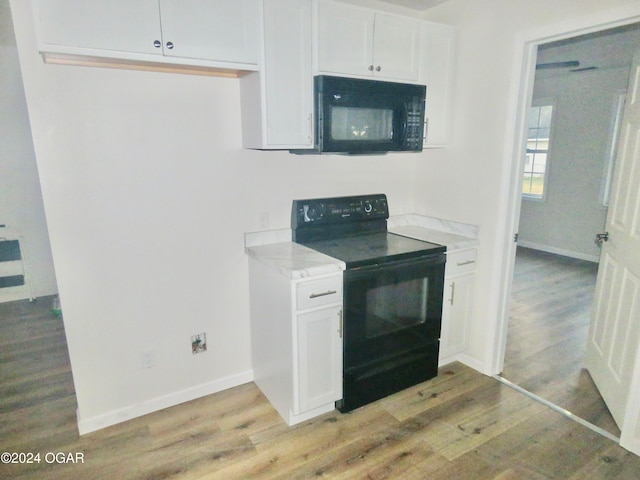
point(614, 334)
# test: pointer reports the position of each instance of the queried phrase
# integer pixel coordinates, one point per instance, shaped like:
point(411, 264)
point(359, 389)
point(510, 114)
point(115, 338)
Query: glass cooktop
point(374, 248)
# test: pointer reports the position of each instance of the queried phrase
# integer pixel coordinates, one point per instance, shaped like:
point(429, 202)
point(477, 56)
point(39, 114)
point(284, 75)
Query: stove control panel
point(339, 210)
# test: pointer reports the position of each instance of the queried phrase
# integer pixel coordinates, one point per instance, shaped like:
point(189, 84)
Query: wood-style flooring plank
point(459, 425)
point(551, 309)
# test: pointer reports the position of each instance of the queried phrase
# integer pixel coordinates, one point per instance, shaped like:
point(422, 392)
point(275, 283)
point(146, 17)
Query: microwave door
point(362, 128)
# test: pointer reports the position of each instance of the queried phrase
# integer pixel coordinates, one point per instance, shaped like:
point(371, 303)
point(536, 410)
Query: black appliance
point(357, 116)
point(393, 289)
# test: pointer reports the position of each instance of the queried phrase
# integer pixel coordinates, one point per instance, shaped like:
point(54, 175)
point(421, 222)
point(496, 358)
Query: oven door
point(392, 317)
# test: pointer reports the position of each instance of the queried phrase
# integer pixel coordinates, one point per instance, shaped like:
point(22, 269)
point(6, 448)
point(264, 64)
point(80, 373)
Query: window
point(536, 163)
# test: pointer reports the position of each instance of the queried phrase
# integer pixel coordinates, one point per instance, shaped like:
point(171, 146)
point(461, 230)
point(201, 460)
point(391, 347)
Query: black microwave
point(355, 116)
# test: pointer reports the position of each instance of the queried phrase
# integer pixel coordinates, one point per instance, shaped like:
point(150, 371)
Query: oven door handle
point(420, 262)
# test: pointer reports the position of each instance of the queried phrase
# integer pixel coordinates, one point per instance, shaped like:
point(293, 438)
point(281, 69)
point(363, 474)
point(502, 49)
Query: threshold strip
point(558, 409)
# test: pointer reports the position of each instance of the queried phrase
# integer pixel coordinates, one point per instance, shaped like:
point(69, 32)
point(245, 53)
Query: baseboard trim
point(559, 251)
point(98, 422)
point(465, 359)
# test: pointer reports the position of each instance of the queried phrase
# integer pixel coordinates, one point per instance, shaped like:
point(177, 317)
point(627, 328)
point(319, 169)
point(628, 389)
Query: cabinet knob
point(170, 45)
point(157, 43)
point(378, 68)
point(371, 68)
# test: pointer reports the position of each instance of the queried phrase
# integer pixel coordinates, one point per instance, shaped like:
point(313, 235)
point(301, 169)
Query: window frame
point(615, 127)
point(536, 103)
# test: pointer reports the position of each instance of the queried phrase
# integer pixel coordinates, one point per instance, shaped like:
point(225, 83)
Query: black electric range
point(392, 295)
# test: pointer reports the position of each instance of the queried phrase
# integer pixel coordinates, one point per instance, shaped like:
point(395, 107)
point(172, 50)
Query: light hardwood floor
point(460, 425)
point(548, 326)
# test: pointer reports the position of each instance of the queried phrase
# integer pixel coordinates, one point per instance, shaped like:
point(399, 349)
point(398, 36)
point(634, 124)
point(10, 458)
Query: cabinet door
point(319, 358)
point(437, 74)
point(458, 298)
point(218, 30)
point(287, 70)
point(118, 25)
point(345, 39)
point(396, 47)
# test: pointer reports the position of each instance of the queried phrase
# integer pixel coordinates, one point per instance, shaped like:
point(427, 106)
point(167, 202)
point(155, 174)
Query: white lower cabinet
point(457, 303)
point(296, 334)
point(319, 358)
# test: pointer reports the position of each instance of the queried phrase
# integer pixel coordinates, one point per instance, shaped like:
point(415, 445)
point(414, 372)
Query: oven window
point(396, 306)
point(350, 123)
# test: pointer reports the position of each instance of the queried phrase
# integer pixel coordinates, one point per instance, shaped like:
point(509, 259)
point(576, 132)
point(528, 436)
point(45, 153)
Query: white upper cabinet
point(436, 72)
point(188, 31)
point(119, 25)
point(277, 101)
point(361, 42)
point(396, 47)
point(345, 39)
point(223, 30)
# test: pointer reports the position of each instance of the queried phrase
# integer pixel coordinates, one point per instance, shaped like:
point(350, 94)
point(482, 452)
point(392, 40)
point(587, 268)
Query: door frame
point(522, 80)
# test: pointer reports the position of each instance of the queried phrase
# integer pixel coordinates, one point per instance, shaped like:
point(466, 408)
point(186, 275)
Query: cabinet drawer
point(313, 293)
point(461, 262)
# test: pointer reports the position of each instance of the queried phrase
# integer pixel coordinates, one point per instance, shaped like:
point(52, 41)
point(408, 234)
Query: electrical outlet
point(262, 220)
point(199, 343)
point(148, 358)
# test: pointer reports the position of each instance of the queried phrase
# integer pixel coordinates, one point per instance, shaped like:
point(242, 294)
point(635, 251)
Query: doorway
point(554, 279)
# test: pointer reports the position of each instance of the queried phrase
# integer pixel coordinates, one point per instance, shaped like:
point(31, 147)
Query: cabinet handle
point(157, 43)
point(453, 292)
point(468, 262)
point(340, 326)
point(370, 68)
point(378, 68)
point(323, 294)
point(170, 45)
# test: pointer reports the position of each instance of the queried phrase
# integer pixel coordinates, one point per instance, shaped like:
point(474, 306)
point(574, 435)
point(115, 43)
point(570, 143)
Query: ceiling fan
point(570, 64)
point(550, 65)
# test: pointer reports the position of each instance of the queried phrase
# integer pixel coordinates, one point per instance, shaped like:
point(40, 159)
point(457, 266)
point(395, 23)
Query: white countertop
point(455, 235)
point(275, 249)
point(295, 261)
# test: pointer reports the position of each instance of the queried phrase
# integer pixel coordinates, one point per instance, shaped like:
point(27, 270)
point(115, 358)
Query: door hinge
point(515, 237)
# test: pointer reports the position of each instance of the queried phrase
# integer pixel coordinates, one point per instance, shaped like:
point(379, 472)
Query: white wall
point(20, 198)
point(148, 193)
point(567, 221)
point(472, 181)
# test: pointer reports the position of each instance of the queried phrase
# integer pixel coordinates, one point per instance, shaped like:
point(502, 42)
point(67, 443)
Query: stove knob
point(367, 207)
point(313, 211)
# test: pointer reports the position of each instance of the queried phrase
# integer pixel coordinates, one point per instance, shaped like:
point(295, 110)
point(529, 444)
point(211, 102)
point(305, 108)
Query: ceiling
point(605, 49)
